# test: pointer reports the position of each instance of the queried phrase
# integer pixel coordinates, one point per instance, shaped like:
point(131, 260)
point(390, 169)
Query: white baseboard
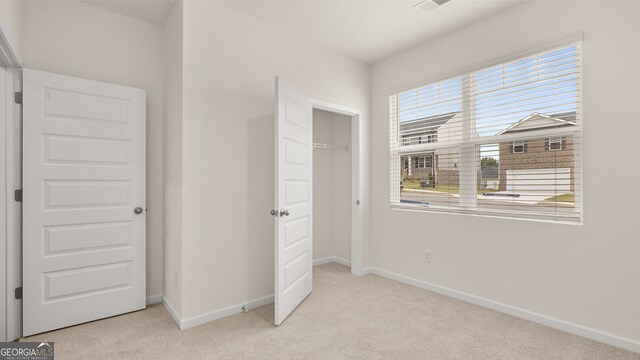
point(224, 312)
point(154, 299)
point(330, 259)
point(172, 311)
point(237, 308)
point(589, 333)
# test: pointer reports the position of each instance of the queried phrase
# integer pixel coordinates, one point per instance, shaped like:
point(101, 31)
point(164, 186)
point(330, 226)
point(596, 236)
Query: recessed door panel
point(293, 265)
point(83, 176)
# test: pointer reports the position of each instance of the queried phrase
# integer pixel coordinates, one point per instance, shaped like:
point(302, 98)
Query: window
point(429, 139)
point(555, 144)
point(491, 133)
point(519, 146)
point(424, 162)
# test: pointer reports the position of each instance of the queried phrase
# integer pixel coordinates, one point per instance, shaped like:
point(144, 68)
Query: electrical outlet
point(427, 256)
point(176, 279)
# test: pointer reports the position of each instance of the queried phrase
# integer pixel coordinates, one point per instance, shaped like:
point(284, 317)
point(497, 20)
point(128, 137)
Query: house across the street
point(542, 165)
point(439, 166)
point(539, 165)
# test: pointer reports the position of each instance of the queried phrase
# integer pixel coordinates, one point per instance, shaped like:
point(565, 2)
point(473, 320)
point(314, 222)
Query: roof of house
point(426, 124)
point(538, 121)
point(490, 172)
point(543, 121)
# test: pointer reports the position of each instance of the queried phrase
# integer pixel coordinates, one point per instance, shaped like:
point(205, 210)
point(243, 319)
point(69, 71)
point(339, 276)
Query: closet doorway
point(294, 211)
point(336, 190)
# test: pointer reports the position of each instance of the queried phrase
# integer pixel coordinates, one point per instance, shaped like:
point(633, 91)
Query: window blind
point(503, 140)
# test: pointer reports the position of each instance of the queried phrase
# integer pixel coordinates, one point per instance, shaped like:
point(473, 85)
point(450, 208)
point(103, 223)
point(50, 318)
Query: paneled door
point(83, 200)
point(293, 212)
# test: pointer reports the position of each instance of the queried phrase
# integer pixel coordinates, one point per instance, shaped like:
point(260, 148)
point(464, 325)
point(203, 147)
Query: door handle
point(279, 213)
point(137, 210)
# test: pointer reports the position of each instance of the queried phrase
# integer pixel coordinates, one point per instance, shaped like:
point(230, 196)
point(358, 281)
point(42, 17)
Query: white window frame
point(426, 139)
point(519, 144)
point(555, 140)
point(424, 162)
point(471, 144)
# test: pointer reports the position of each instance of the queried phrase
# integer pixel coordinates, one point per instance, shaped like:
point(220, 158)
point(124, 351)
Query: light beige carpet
point(345, 317)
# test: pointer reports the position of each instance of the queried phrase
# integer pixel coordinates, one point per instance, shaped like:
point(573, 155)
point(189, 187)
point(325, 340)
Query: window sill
point(555, 219)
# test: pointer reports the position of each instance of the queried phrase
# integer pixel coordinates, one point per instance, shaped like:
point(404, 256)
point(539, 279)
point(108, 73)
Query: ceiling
point(366, 30)
point(153, 11)
point(369, 30)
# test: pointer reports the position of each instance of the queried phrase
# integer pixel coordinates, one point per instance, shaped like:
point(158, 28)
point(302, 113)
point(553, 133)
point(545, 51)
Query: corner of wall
point(172, 173)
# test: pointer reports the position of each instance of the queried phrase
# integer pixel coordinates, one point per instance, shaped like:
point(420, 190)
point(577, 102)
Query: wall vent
point(428, 5)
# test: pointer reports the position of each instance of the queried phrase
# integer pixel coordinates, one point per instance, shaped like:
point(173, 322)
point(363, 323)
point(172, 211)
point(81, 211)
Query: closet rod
point(330, 147)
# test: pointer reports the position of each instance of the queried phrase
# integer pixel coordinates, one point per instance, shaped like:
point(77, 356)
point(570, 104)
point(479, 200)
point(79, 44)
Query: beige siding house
point(439, 166)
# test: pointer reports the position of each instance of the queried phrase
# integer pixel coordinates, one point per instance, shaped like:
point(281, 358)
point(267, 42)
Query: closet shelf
point(330, 147)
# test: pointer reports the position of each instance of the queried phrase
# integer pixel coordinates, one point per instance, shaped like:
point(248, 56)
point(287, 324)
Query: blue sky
point(546, 83)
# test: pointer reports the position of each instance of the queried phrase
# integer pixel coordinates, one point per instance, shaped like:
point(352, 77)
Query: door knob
point(137, 210)
point(273, 212)
point(284, 212)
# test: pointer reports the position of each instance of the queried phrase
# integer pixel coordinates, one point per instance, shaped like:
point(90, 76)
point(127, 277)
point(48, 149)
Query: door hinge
point(17, 97)
point(17, 195)
point(18, 293)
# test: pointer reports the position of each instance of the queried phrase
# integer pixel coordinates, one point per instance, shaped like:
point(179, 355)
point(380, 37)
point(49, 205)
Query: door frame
point(357, 243)
point(10, 239)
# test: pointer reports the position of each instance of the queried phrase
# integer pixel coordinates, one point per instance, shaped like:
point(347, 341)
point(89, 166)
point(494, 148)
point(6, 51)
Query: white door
point(293, 258)
point(83, 200)
point(541, 181)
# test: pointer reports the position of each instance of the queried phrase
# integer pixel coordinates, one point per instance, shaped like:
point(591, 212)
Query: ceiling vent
point(428, 5)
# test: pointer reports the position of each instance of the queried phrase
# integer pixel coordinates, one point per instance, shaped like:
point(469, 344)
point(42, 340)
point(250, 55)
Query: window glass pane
point(431, 178)
point(536, 181)
point(503, 140)
point(426, 111)
point(545, 85)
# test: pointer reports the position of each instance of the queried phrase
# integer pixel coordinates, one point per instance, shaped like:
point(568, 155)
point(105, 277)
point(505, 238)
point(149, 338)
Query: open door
point(293, 185)
point(83, 200)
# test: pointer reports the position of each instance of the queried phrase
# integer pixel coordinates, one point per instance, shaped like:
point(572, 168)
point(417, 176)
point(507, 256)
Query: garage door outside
point(552, 181)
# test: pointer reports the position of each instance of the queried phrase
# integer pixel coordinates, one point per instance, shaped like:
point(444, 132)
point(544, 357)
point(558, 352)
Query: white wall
point(323, 174)
point(11, 23)
point(331, 186)
point(230, 61)
point(342, 187)
point(77, 39)
point(172, 38)
point(587, 275)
